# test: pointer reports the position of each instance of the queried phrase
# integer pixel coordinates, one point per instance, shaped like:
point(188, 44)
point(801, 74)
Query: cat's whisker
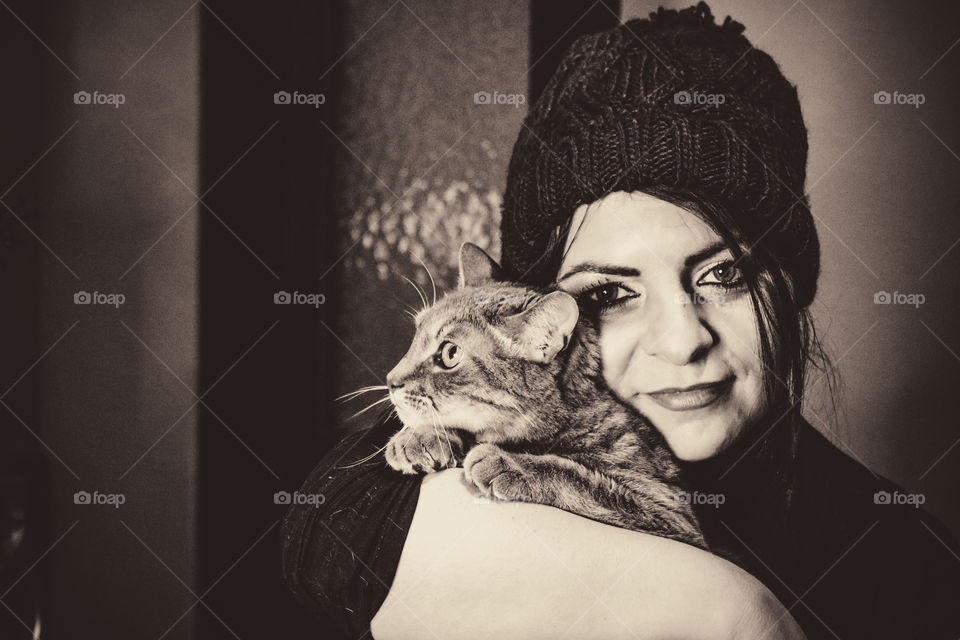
point(423, 298)
point(369, 406)
point(365, 458)
point(516, 407)
point(393, 412)
point(361, 391)
point(438, 429)
point(433, 283)
point(446, 435)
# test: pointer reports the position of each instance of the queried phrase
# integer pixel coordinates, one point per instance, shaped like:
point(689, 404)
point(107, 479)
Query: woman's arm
point(479, 569)
point(340, 552)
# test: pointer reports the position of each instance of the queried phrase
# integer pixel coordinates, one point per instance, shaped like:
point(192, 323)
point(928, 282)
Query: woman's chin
point(693, 449)
point(696, 438)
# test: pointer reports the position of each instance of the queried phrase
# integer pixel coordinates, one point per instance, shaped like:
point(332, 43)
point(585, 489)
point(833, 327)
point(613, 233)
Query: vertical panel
point(23, 471)
point(114, 382)
point(266, 374)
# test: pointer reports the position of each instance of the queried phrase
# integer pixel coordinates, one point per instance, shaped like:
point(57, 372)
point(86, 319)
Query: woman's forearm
point(476, 569)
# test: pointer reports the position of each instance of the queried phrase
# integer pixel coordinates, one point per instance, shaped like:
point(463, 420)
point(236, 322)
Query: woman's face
point(679, 337)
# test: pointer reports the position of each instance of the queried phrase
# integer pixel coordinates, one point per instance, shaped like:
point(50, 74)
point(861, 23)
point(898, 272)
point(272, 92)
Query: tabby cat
point(511, 376)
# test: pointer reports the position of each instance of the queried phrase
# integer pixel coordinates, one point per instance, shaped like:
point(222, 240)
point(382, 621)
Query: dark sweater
point(845, 564)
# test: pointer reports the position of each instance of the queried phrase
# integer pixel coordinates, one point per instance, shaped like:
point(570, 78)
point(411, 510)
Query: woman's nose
point(675, 329)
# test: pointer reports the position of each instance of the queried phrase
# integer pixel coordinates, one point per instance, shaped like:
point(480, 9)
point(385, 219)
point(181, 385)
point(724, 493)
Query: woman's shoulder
point(341, 550)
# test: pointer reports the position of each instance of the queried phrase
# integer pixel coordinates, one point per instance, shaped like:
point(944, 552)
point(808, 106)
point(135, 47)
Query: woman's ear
point(543, 329)
point(476, 267)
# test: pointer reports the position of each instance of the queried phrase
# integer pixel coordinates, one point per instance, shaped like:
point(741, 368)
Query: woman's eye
point(608, 294)
point(725, 274)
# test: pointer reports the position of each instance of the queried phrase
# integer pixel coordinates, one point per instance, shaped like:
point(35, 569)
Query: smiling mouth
point(697, 396)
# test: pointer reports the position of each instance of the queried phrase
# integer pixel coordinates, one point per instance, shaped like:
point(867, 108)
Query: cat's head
point(483, 353)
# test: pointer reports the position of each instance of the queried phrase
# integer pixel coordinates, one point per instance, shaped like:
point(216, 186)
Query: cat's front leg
point(500, 474)
point(411, 452)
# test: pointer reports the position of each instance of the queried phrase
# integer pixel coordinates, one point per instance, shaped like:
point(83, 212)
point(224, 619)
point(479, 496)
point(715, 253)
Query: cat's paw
point(497, 473)
point(413, 452)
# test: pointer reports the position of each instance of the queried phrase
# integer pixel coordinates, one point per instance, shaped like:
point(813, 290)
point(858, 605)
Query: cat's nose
point(394, 381)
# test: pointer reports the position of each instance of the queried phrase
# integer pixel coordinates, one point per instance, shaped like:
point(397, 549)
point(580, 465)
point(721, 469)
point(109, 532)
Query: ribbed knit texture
point(610, 120)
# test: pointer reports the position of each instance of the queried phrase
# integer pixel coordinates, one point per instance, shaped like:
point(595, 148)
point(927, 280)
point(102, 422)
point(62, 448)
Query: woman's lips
point(695, 397)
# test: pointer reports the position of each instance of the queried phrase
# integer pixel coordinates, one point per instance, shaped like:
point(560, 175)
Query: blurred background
point(208, 209)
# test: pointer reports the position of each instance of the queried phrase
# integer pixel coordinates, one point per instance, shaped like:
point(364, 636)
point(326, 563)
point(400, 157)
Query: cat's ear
point(476, 267)
point(542, 330)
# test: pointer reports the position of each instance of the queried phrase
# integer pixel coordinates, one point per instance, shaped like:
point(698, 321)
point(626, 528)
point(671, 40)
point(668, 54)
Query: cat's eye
point(449, 355)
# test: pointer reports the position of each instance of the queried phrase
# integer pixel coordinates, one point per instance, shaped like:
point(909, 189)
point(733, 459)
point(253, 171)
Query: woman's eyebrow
point(594, 267)
point(691, 260)
point(630, 272)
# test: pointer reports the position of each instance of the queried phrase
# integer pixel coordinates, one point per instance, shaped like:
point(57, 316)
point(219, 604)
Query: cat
point(510, 376)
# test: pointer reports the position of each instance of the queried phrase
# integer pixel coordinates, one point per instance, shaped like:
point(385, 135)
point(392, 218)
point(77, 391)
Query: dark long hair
point(789, 343)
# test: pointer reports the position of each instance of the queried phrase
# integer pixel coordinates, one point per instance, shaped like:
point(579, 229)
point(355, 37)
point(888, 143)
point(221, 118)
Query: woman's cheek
point(738, 330)
point(618, 345)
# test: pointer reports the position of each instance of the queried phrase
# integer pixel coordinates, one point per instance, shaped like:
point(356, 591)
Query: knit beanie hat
point(674, 102)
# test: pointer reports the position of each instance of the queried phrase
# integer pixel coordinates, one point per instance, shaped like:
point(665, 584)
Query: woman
point(659, 178)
